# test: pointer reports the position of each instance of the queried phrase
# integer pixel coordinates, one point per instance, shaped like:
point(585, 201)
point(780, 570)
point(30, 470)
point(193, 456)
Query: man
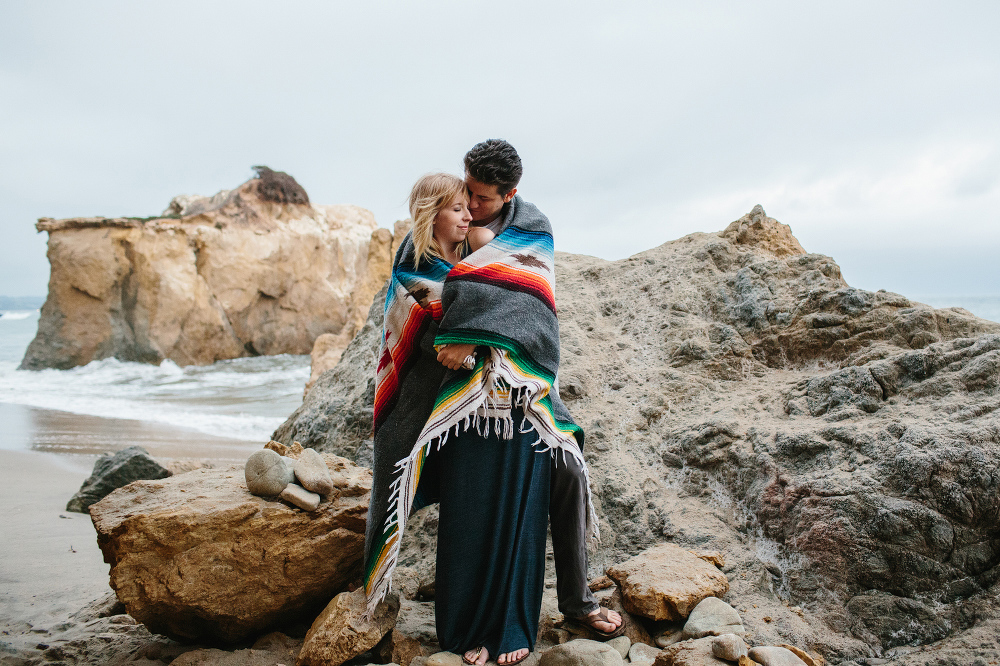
point(492, 173)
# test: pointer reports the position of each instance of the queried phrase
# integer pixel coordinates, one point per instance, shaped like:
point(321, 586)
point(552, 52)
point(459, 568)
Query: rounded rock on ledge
point(729, 647)
point(312, 472)
point(713, 617)
point(267, 474)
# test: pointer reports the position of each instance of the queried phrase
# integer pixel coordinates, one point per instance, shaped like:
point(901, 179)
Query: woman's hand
point(453, 356)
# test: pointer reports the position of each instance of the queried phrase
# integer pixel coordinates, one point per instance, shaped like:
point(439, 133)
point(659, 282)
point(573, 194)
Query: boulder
point(267, 473)
point(341, 631)
point(312, 474)
point(622, 644)
point(112, 471)
point(255, 270)
point(690, 653)
point(197, 557)
point(666, 582)
point(581, 652)
point(729, 647)
point(719, 416)
point(771, 655)
point(713, 617)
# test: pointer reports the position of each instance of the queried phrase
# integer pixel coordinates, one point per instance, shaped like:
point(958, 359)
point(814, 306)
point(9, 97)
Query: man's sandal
point(602, 616)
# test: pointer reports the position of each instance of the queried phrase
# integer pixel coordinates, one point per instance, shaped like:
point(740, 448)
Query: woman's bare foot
point(479, 656)
point(512, 657)
point(615, 620)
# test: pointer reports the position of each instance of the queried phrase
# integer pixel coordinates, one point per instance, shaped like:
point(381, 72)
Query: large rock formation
point(255, 270)
point(197, 557)
point(840, 446)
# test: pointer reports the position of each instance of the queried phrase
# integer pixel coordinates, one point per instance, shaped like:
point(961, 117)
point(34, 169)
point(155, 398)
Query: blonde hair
point(429, 196)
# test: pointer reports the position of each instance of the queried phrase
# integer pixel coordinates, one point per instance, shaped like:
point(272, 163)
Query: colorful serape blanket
point(500, 297)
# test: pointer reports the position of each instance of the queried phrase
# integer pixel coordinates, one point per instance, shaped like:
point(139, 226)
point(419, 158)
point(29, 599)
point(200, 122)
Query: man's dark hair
point(494, 162)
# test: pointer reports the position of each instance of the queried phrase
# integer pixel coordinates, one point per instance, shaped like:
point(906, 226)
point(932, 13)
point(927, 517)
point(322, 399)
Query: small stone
point(444, 659)
point(300, 497)
point(801, 654)
point(729, 647)
point(641, 654)
point(767, 618)
point(267, 474)
point(312, 472)
point(746, 661)
point(713, 616)
point(770, 655)
point(581, 652)
point(714, 556)
point(294, 450)
point(622, 644)
point(697, 652)
point(277, 447)
point(669, 638)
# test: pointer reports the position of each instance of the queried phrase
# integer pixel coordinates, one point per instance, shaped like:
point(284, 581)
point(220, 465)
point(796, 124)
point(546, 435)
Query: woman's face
point(452, 222)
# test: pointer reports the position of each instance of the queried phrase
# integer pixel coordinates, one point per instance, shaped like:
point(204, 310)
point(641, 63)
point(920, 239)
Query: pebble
point(729, 647)
point(300, 497)
point(581, 652)
point(444, 659)
point(663, 640)
point(713, 616)
point(641, 654)
point(312, 472)
point(267, 474)
point(770, 655)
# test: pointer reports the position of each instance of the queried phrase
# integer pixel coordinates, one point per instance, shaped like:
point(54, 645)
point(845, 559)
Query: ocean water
point(158, 406)
point(241, 399)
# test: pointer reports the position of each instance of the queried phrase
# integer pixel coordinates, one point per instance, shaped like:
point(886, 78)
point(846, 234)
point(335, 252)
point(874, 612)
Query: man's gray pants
point(568, 520)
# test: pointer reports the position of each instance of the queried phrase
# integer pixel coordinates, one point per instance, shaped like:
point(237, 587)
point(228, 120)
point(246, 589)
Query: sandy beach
point(50, 565)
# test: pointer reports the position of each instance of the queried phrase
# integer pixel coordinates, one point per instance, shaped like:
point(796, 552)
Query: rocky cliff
point(255, 270)
point(841, 447)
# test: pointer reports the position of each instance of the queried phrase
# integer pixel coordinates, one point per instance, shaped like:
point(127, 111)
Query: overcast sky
point(871, 128)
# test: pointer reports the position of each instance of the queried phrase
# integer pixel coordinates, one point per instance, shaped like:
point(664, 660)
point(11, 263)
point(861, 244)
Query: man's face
point(484, 200)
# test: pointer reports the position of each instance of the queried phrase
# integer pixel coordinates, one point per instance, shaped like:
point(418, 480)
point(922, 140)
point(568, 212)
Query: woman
point(464, 415)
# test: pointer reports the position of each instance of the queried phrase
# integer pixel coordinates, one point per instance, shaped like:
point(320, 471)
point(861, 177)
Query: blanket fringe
point(488, 412)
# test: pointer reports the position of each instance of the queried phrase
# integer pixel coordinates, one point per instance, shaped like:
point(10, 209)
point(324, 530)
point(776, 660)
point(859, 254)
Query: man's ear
point(510, 195)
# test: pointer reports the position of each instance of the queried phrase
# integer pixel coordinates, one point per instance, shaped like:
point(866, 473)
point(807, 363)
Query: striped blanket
point(500, 298)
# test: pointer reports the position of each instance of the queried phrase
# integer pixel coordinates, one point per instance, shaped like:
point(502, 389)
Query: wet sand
point(50, 565)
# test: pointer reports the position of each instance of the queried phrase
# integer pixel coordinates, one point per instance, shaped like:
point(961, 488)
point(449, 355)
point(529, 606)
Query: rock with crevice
point(197, 557)
point(342, 632)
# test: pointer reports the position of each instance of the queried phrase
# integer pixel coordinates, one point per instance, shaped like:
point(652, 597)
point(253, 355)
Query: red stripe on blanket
point(511, 278)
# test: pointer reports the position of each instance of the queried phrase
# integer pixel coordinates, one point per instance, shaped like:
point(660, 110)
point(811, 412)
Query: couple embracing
point(467, 415)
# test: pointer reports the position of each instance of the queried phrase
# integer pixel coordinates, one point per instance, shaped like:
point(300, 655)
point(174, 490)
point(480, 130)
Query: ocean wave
point(14, 315)
point(242, 399)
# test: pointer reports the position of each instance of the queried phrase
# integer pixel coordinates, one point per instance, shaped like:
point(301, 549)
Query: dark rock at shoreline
point(112, 471)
